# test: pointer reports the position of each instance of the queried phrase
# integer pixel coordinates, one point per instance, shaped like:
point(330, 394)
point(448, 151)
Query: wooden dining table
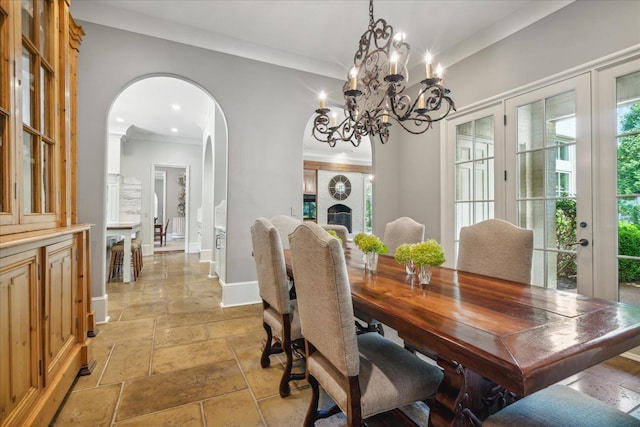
point(496, 340)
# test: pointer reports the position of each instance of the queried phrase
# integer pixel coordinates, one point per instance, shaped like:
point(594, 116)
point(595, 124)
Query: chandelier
point(374, 91)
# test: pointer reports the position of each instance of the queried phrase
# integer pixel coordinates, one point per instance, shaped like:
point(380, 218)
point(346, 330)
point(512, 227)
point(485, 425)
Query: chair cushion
point(274, 319)
point(390, 376)
point(560, 406)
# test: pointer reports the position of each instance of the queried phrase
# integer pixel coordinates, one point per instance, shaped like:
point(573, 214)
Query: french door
point(548, 170)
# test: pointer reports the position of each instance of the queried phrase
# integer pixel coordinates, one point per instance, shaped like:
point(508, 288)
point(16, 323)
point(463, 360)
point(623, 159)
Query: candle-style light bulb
point(393, 67)
point(421, 104)
point(428, 58)
point(353, 82)
point(323, 97)
point(385, 116)
point(440, 73)
point(334, 119)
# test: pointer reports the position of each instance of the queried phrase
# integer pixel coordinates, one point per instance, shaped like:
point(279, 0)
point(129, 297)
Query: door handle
point(581, 242)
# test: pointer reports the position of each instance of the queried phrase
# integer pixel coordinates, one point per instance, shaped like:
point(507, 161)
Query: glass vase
point(424, 274)
point(410, 267)
point(371, 262)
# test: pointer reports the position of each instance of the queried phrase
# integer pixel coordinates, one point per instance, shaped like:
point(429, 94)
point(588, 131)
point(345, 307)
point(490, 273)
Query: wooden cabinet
point(45, 300)
point(45, 321)
point(19, 351)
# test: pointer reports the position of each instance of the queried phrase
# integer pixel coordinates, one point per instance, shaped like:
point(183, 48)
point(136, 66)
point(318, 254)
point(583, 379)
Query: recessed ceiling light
point(174, 129)
point(119, 120)
point(176, 107)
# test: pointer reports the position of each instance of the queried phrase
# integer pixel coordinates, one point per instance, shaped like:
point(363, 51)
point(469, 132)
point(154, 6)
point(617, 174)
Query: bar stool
point(117, 258)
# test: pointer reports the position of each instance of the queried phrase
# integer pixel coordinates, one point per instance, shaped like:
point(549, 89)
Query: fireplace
point(339, 214)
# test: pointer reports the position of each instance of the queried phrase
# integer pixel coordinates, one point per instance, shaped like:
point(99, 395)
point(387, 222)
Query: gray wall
point(266, 108)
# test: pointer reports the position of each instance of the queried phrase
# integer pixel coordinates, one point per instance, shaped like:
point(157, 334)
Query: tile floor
point(171, 356)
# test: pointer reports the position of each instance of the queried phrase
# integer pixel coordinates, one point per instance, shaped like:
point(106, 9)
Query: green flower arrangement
point(403, 253)
point(428, 253)
point(334, 234)
point(370, 243)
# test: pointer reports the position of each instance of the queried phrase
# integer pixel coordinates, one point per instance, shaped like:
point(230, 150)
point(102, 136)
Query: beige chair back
point(341, 231)
point(285, 225)
point(402, 230)
point(324, 296)
point(496, 248)
point(270, 265)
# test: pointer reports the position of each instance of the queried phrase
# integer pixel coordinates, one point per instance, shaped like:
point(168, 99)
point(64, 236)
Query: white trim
point(632, 356)
point(99, 306)
point(600, 64)
point(239, 293)
point(206, 255)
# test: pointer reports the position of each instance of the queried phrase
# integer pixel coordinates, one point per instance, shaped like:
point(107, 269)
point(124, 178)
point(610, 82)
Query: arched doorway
point(160, 121)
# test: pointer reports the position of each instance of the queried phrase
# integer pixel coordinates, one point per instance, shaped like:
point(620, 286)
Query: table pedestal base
point(465, 398)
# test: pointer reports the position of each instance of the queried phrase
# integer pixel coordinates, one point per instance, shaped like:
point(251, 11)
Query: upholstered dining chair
point(364, 374)
point(341, 231)
point(560, 406)
point(280, 318)
point(285, 225)
point(496, 248)
point(402, 230)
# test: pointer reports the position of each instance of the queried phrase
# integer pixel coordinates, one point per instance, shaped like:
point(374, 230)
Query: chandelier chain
point(371, 20)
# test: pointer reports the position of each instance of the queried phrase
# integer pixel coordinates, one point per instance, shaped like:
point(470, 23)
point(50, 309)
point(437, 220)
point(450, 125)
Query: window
point(38, 129)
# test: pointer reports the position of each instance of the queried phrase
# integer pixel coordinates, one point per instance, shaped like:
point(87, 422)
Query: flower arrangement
point(370, 243)
point(427, 253)
point(403, 253)
point(334, 234)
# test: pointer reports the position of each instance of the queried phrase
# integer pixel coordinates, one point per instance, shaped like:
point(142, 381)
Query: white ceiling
point(307, 35)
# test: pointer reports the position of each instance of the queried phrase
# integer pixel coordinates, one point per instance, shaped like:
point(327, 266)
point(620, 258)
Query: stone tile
point(183, 416)
point(231, 410)
point(608, 392)
point(173, 389)
point(188, 305)
point(101, 353)
point(193, 318)
point(179, 357)
point(264, 382)
point(129, 359)
point(253, 340)
point(181, 335)
point(236, 326)
point(91, 407)
point(632, 384)
point(242, 311)
point(616, 369)
point(127, 330)
point(288, 411)
point(145, 309)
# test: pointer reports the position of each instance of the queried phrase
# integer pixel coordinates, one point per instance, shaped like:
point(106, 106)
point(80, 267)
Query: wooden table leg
point(465, 398)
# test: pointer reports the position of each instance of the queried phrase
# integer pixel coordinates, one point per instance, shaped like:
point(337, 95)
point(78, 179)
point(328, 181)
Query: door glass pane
point(530, 126)
point(628, 121)
point(46, 156)
point(29, 177)
point(531, 174)
point(46, 102)
point(44, 8)
point(474, 172)
point(546, 186)
point(4, 165)
point(28, 88)
point(27, 19)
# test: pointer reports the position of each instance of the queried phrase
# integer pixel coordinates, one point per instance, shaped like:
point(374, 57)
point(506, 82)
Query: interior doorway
point(170, 208)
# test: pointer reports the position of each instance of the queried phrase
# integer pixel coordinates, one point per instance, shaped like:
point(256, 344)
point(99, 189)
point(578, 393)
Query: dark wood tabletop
point(496, 340)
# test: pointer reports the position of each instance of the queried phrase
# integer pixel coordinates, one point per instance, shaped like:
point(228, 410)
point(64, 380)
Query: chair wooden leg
point(268, 349)
point(312, 412)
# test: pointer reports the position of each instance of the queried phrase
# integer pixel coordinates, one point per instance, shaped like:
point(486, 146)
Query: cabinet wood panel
point(59, 307)
point(18, 335)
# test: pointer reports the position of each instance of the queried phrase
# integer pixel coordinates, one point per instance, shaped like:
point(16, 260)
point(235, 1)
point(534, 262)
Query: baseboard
point(194, 248)
point(241, 293)
point(213, 274)
point(99, 306)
